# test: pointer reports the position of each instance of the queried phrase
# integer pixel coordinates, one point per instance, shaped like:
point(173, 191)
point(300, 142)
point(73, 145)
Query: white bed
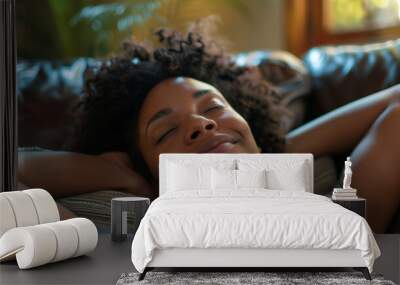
point(249, 227)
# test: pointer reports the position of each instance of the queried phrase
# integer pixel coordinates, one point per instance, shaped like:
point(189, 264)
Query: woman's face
point(184, 115)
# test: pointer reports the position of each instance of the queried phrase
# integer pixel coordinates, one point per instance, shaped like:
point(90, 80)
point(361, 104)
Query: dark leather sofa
point(324, 79)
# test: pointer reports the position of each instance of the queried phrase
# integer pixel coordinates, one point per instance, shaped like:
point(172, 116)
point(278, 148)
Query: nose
point(199, 126)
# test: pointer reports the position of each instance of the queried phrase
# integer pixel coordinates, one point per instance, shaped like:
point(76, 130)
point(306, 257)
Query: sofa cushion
point(341, 74)
point(96, 206)
point(47, 92)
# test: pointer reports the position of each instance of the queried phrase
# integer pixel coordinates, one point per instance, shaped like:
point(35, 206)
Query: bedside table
point(357, 205)
point(119, 215)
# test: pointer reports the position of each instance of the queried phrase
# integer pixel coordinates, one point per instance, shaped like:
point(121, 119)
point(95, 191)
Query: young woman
point(188, 96)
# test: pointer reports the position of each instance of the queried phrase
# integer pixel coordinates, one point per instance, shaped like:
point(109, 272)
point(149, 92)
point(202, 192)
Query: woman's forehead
point(178, 85)
point(173, 93)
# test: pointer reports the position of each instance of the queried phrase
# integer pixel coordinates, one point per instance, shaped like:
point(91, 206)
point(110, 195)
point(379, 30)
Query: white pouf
point(40, 244)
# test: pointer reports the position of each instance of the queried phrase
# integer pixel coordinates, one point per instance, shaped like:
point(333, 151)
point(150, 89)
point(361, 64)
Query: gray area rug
point(225, 278)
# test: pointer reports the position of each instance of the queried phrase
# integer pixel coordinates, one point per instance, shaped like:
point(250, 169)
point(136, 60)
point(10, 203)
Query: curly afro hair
point(108, 112)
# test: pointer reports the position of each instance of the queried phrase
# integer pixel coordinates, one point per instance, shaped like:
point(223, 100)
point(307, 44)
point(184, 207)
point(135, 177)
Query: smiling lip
point(219, 143)
point(222, 147)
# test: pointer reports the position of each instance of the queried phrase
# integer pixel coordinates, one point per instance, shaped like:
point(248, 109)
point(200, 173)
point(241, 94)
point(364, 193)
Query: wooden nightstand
point(357, 205)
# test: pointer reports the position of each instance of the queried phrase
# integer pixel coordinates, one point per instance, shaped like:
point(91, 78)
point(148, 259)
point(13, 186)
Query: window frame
point(305, 28)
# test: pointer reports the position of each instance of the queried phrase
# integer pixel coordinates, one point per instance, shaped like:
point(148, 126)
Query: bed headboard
point(214, 158)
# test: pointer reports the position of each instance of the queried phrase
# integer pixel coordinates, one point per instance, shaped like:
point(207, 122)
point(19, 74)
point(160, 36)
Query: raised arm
point(340, 130)
point(68, 173)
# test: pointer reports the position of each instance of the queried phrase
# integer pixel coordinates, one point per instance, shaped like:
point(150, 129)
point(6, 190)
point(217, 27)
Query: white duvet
point(250, 218)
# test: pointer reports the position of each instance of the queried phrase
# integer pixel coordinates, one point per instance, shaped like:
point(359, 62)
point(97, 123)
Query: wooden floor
point(389, 262)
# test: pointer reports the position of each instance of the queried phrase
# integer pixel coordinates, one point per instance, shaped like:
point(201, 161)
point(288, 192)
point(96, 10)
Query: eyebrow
point(200, 93)
point(166, 111)
point(162, 113)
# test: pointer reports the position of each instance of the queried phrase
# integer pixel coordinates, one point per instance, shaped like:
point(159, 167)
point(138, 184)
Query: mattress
point(251, 219)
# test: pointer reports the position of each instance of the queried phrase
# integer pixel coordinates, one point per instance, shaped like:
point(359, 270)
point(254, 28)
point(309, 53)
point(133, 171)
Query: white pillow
point(229, 179)
point(223, 179)
point(283, 174)
point(204, 162)
point(289, 179)
point(181, 178)
point(251, 178)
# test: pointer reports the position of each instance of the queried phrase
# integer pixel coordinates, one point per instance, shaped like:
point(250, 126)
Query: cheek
point(233, 120)
point(151, 159)
point(148, 153)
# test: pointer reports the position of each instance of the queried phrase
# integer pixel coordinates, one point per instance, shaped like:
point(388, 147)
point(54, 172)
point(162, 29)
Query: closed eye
point(167, 133)
point(164, 135)
point(215, 107)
